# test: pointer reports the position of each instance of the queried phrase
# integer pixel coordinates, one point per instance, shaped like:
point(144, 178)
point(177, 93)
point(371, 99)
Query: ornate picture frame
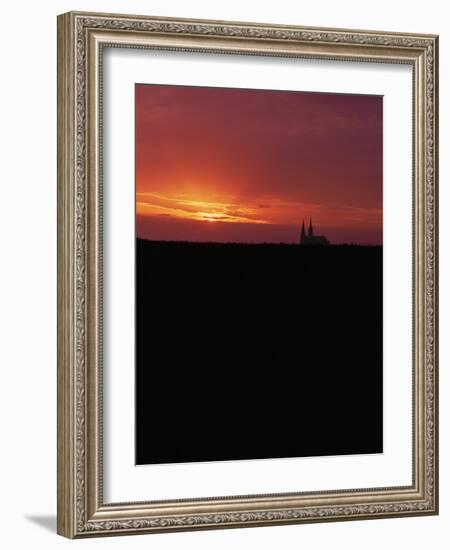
point(82, 39)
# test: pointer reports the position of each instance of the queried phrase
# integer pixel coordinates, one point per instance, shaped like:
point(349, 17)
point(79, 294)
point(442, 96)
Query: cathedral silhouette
point(310, 238)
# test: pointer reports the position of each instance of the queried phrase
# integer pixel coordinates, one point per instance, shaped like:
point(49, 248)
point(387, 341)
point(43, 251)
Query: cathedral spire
point(311, 239)
point(303, 233)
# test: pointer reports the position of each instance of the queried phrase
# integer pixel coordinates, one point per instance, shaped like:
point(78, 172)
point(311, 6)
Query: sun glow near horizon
point(227, 210)
point(195, 209)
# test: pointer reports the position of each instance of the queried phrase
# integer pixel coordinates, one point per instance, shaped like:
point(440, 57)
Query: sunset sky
point(238, 165)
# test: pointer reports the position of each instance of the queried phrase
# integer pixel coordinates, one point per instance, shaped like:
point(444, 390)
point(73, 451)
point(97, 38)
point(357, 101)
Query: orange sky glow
point(232, 165)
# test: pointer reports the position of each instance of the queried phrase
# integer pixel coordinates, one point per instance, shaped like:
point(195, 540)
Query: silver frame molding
point(81, 39)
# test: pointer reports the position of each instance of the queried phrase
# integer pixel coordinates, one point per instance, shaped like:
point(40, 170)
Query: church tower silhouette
point(310, 238)
point(303, 234)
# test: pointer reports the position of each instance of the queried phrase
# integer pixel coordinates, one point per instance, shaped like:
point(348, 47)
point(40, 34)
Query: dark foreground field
point(257, 351)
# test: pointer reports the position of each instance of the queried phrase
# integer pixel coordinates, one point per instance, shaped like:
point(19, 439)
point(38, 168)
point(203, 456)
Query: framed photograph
point(247, 274)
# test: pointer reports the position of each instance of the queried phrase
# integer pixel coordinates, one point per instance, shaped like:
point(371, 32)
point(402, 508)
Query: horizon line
point(265, 243)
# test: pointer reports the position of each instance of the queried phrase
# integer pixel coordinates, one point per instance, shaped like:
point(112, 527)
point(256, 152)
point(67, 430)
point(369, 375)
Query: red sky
point(238, 165)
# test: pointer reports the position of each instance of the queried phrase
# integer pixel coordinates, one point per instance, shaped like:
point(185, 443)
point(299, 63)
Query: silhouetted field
point(257, 351)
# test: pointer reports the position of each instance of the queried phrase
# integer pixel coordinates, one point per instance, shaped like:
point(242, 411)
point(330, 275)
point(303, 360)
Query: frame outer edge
point(238, 23)
point(66, 524)
point(436, 272)
point(75, 483)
